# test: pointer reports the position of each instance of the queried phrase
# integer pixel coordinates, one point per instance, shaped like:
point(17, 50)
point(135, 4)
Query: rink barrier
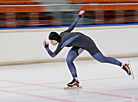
point(88, 27)
point(63, 59)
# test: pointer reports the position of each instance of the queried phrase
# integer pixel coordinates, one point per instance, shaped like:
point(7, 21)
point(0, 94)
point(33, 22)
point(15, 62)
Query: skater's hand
point(44, 43)
point(81, 12)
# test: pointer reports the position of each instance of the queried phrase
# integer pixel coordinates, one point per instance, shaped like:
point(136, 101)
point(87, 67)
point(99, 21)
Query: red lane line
point(82, 91)
point(110, 95)
point(93, 79)
point(107, 78)
point(15, 82)
point(28, 84)
point(55, 82)
point(35, 96)
point(68, 89)
point(91, 92)
point(13, 86)
point(73, 90)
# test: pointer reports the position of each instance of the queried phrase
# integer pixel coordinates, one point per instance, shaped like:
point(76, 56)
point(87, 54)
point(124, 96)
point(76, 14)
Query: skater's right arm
point(75, 22)
point(46, 45)
point(52, 54)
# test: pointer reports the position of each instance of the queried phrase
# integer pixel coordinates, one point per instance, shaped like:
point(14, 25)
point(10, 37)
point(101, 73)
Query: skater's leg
point(73, 53)
point(71, 56)
point(101, 58)
point(95, 53)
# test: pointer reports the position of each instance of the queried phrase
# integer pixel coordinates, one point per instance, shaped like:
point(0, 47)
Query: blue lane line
point(108, 25)
point(68, 26)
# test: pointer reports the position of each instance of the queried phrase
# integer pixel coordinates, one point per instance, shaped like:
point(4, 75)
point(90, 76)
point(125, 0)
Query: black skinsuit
point(75, 39)
point(79, 42)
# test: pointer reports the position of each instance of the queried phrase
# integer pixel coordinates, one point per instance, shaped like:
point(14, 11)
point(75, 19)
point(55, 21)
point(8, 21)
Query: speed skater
point(79, 42)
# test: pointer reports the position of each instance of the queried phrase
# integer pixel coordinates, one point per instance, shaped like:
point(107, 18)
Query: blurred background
point(31, 21)
point(44, 14)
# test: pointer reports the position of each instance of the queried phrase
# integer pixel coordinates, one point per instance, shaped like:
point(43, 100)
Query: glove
point(81, 13)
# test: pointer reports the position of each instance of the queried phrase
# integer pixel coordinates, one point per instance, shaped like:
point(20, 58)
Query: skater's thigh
point(78, 50)
point(73, 53)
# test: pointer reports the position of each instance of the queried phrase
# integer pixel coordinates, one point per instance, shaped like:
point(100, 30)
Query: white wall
point(26, 46)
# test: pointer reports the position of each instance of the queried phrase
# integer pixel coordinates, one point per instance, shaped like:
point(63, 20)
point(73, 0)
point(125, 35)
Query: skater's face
point(54, 42)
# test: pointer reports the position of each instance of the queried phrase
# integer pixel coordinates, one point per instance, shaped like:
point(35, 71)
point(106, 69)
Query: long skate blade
point(132, 75)
point(80, 87)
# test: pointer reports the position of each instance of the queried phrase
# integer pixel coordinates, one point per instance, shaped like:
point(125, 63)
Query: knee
point(69, 60)
point(103, 60)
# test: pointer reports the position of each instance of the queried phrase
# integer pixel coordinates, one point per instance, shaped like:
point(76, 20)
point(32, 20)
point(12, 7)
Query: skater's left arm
point(75, 22)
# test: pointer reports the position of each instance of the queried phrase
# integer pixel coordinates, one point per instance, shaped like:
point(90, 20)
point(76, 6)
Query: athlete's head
point(54, 38)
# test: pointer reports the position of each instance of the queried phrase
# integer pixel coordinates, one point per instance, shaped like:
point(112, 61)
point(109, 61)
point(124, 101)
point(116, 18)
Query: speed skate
point(132, 74)
point(74, 84)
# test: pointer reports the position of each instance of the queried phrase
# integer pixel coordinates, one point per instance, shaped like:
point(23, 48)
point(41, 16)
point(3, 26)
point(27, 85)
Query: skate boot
point(73, 83)
point(127, 69)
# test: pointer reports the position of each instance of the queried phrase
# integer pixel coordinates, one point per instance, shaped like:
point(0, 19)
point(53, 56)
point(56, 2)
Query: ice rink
point(44, 82)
